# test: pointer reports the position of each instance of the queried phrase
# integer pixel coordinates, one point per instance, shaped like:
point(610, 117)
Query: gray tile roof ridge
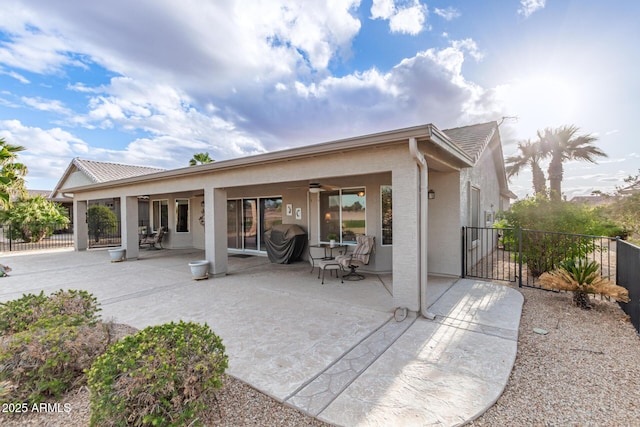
point(98, 171)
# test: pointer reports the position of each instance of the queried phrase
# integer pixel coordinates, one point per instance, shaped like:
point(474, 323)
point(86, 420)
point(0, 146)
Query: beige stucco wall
point(76, 179)
point(444, 224)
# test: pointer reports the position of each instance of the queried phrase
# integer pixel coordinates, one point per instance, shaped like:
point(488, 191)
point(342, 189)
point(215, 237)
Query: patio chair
point(359, 257)
point(315, 254)
point(155, 241)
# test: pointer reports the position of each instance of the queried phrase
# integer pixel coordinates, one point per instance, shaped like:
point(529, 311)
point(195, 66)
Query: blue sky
point(153, 82)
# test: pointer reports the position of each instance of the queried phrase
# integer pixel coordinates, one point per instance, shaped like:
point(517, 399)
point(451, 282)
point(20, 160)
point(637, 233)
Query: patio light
point(431, 194)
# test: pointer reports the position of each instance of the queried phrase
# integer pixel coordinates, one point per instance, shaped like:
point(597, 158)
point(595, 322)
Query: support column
point(215, 230)
point(80, 226)
point(406, 241)
point(129, 225)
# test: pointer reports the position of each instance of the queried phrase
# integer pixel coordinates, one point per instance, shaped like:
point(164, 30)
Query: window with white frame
point(182, 215)
point(342, 215)
point(160, 214)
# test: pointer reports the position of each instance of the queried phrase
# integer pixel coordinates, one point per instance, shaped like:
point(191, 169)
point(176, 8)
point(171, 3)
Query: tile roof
point(472, 139)
point(100, 172)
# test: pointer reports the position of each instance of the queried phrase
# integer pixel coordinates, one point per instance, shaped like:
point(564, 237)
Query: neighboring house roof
point(630, 189)
point(93, 172)
point(34, 193)
point(591, 200)
point(473, 139)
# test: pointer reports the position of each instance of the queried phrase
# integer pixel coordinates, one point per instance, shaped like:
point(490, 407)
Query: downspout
point(423, 226)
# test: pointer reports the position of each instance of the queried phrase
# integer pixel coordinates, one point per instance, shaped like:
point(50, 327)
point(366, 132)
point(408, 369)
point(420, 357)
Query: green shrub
point(19, 314)
point(157, 376)
point(34, 218)
point(551, 229)
point(46, 362)
point(72, 307)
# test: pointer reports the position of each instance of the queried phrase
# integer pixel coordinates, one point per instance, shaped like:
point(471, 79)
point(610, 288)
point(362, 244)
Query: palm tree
point(200, 158)
point(530, 156)
point(563, 144)
point(11, 172)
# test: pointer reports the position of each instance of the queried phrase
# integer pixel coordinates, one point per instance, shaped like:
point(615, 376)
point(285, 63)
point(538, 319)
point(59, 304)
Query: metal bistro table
point(325, 246)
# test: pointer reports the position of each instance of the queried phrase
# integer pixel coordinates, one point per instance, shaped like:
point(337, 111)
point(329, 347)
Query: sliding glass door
point(249, 219)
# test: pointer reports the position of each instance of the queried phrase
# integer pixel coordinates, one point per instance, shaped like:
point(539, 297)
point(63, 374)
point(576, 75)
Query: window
point(182, 215)
point(386, 212)
point(160, 214)
point(342, 215)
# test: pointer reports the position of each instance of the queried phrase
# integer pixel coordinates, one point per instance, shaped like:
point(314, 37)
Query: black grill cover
point(285, 243)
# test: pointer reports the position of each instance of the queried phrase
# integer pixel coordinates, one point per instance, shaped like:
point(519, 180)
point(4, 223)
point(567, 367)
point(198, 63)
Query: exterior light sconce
point(431, 195)
point(327, 216)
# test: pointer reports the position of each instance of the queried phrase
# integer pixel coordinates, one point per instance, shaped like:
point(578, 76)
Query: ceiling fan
point(316, 187)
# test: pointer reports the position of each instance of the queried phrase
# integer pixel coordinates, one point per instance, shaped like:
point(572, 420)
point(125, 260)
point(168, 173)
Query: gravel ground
point(585, 371)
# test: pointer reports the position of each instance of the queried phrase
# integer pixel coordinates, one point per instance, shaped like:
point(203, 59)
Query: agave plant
point(582, 278)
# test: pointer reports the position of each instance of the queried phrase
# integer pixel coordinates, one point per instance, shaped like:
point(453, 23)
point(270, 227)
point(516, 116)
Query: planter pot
point(199, 269)
point(332, 243)
point(118, 254)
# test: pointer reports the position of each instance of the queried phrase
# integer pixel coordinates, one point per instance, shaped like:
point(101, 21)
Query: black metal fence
point(104, 234)
point(521, 255)
point(34, 236)
point(628, 276)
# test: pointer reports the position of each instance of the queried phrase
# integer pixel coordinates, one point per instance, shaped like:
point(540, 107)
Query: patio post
point(406, 236)
point(215, 230)
point(80, 226)
point(129, 226)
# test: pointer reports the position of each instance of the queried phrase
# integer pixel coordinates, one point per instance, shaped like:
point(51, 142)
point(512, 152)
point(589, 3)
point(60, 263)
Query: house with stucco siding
point(412, 189)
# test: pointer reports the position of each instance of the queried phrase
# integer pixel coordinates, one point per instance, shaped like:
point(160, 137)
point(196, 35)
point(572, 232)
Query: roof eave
point(422, 132)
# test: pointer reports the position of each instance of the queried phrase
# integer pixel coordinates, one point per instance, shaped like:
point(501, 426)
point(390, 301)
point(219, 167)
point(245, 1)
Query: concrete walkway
point(334, 351)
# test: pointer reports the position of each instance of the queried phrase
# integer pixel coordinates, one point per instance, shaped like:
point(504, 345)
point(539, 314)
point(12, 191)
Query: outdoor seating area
point(152, 241)
point(351, 259)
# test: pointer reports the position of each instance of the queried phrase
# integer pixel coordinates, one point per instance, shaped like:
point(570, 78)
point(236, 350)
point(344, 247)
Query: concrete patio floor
point(334, 351)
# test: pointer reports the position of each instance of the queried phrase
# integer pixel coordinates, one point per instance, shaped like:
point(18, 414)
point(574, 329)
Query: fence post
point(10, 237)
point(617, 260)
point(520, 257)
point(464, 252)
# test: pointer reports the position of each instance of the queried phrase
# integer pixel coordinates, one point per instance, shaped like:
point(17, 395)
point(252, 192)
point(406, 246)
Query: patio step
point(314, 396)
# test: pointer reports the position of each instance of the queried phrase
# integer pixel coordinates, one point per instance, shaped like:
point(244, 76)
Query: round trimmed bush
point(157, 376)
point(41, 363)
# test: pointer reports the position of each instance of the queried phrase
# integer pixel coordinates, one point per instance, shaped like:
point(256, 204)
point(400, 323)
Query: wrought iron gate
point(522, 255)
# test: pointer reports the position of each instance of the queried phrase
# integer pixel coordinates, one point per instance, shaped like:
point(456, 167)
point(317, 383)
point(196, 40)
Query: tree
point(34, 218)
point(100, 220)
point(562, 144)
point(200, 158)
point(11, 173)
point(530, 155)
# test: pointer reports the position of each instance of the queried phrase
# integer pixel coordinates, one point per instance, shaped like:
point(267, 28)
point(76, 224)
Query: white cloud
point(528, 7)
point(229, 79)
point(42, 104)
point(449, 14)
point(19, 77)
point(406, 17)
point(196, 44)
